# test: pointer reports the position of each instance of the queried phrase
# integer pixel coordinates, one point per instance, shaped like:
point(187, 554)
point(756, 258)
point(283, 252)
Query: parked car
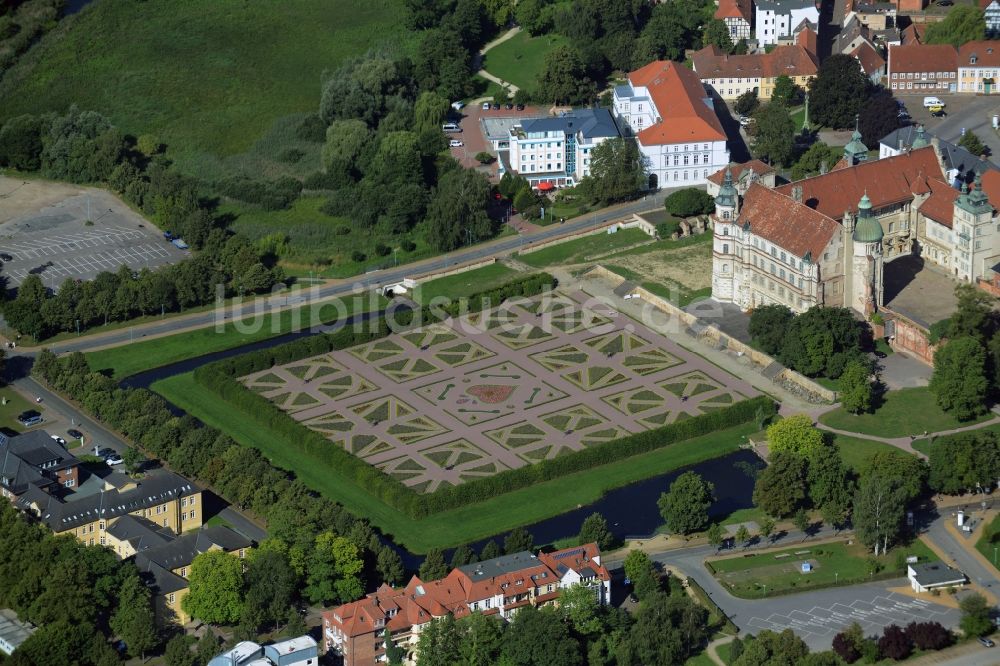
point(75, 434)
point(114, 459)
point(455, 143)
point(508, 106)
point(486, 106)
point(520, 107)
point(450, 127)
point(6, 257)
point(58, 439)
point(945, 3)
point(103, 452)
point(940, 113)
point(744, 121)
point(496, 106)
point(986, 642)
point(932, 101)
point(29, 418)
point(457, 105)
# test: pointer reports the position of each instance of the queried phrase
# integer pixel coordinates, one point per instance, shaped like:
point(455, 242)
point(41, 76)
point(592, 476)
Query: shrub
point(358, 255)
point(312, 128)
point(341, 230)
point(382, 250)
point(269, 195)
point(894, 643)
point(319, 180)
point(929, 635)
point(484, 157)
point(290, 155)
point(408, 245)
point(688, 202)
point(667, 229)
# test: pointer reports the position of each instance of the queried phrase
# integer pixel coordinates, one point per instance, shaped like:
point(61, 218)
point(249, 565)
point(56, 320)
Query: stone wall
point(631, 222)
point(910, 337)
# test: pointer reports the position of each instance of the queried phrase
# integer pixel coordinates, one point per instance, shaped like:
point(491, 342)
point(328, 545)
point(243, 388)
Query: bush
point(382, 250)
point(667, 229)
point(484, 157)
point(358, 255)
point(894, 643)
point(341, 230)
point(290, 155)
point(269, 195)
point(929, 635)
point(408, 245)
point(746, 103)
point(689, 202)
point(312, 128)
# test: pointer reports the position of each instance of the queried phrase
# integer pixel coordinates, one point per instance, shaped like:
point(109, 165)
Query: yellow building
point(733, 75)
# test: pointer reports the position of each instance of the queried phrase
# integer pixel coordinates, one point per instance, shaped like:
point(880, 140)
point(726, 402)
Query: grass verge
point(462, 284)
point(15, 405)
point(141, 356)
point(580, 249)
point(457, 526)
point(766, 574)
point(521, 58)
point(989, 542)
point(905, 412)
point(857, 453)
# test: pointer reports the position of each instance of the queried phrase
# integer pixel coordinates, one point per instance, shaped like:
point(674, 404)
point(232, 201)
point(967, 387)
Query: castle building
point(825, 240)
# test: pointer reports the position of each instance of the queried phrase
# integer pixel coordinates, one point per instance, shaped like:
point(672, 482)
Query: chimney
point(797, 193)
point(823, 168)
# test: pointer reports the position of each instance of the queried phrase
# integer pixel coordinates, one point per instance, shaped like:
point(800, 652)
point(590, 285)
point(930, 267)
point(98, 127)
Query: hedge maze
point(497, 390)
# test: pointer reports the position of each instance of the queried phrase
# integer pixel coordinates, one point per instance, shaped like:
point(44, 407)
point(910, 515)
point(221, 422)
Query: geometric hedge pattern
point(528, 381)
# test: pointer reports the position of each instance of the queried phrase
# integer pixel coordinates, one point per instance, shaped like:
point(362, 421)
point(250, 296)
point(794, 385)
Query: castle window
point(725, 248)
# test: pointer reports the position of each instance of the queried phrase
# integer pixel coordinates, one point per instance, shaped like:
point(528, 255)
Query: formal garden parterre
point(500, 389)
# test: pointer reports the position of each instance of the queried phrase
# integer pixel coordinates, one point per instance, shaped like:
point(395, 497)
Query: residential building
point(738, 17)
point(356, 631)
point(165, 563)
point(743, 174)
point(991, 12)
point(732, 75)
point(851, 36)
point(979, 67)
point(934, 575)
point(673, 119)
point(871, 63)
point(301, 651)
point(824, 240)
point(959, 165)
point(775, 20)
point(910, 6)
point(874, 15)
point(13, 631)
point(927, 68)
point(33, 464)
point(557, 149)
point(913, 34)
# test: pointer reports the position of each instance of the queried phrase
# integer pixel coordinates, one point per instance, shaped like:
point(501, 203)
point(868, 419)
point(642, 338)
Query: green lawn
point(130, 359)
point(456, 526)
point(857, 453)
point(674, 292)
point(462, 284)
point(210, 78)
point(578, 250)
point(905, 412)
point(15, 405)
point(989, 542)
point(314, 243)
point(835, 563)
point(521, 58)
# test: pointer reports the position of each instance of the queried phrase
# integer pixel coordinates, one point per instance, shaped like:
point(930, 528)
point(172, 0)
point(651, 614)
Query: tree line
point(83, 147)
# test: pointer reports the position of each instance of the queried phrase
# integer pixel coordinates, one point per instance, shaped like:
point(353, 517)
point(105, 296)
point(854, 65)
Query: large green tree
point(540, 637)
point(335, 568)
point(963, 24)
point(976, 619)
point(837, 92)
point(795, 434)
point(769, 327)
point(964, 462)
point(215, 592)
point(856, 388)
point(781, 487)
point(879, 508)
point(456, 214)
point(684, 507)
point(878, 117)
point(563, 79)
point(785, 91)
point(271, 584)
point(667, 630)
point(973, 143)
point(773, 134)
point(960, 382)
point(481, 639)
point(133, 620)
point(769, 648)
point(814, 159)
point(439, 643)
point(617, 171)
point(717, 34)
point(595, 530)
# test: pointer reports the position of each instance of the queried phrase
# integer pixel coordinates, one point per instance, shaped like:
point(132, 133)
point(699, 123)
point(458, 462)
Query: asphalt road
point(103, 437)
point(375, 279)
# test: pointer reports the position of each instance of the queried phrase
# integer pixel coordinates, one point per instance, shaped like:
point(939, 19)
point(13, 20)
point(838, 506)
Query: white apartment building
point(775, 20)
point(557, 150)
point(674, 121)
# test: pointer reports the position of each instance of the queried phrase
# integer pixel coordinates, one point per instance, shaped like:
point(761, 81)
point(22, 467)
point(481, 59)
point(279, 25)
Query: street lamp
point(994, 555)
point(836, 577)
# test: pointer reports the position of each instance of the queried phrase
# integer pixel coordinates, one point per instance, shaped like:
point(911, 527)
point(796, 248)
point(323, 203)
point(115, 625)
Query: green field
point(521, 58)
point(578, 250)
point(15, 405)
point(857, 453)
point(313, 241)
point(210, 78)
point(456, 526)
point(834, 563)
point(989, 542)
point(462, 284)
point(138, 357)
point(905, 412)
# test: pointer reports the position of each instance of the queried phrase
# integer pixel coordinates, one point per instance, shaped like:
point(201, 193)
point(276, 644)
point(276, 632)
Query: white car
point(744, 121)
point(486, 106)
point(58, 439)
point(114, 459)
point(455, 143)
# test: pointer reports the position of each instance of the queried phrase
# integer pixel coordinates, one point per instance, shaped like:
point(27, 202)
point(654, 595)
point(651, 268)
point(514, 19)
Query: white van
point(932, 101)
point(451, 127)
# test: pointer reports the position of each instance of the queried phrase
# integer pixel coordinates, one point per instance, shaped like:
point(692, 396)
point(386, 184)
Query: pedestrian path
point(486, 75)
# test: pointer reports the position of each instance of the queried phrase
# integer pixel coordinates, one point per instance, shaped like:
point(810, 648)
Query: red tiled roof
point(679, 98)
point(734, 9)
point(913, 34)
point(940, 205)
point(991, 186)
point(923, 58)
point(794, 60)
point(987, 54)
point(758, 167)
point(782, 220)
point(420, 601)
point(807, 39)
point(869, 58)
point(887, 181)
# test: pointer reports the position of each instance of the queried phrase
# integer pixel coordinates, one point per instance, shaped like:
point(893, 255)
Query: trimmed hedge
point(713, 608)
point(221, 378)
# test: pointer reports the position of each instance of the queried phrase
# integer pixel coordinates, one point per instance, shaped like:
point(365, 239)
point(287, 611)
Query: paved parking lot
point(44, 231)
point(970, 112)
point(819, 624)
